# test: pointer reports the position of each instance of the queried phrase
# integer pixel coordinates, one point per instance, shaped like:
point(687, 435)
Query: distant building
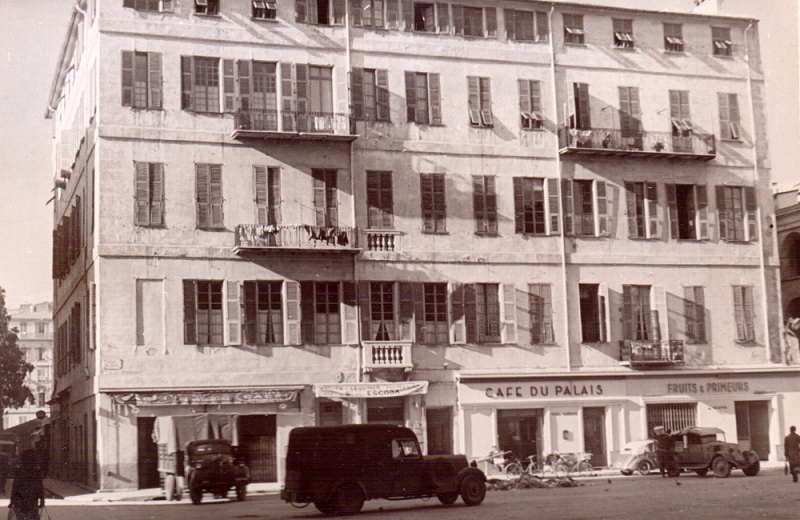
point(787, 217)
point(35, 338)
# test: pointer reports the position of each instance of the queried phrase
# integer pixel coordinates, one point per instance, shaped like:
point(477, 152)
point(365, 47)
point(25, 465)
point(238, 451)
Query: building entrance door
point(520, 431)
point(440, 431)
point(594, 434)
point(147, 453)
point(752, 426)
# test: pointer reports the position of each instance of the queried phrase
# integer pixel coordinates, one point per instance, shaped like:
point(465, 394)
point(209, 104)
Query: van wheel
point(720, 467)
point(348, 499)
point(196, 495)
point(241, 492)
point(753, 469)
point(324, 507)
point(473, 490)
point(448, 498)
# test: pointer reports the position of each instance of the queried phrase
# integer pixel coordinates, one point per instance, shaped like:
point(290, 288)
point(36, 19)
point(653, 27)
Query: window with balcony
point(434, 208)
point(320, 322)
point(736, 213)
point(326, 202)
point(381, 312)
point(149, 194)
point(208, 185)
point(639, 319)
point(585, 208)
point(484, 201)
point(322, 12)
point(721, 41)
point(141, 79)
point(743, 313)
point(673, 37)
point(533, 208)
point(642, 209)
point(265, 9)
point(680, 116)
point(203, 321)
point(149, 5)
point(482, 310)
point(573, 29)
point(593, 301)
point(695, 314)
point(369, 89)
point(729, 126)
point(432, 324)
point(479, 102)
point(578, 105)
point(475, 21)
point(688, 211)
point(530, 104)
point(263, 312)
point(320, 89)
point(208, 7)
point(526, 26)
point(423, 98)
point(380, 200)
point(623, 33)
point(267, 195)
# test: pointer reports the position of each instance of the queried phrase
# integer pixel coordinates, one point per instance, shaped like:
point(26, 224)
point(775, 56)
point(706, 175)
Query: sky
point(31, 35)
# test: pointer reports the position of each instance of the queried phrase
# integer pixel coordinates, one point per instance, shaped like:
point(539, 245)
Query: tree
point(13, 367)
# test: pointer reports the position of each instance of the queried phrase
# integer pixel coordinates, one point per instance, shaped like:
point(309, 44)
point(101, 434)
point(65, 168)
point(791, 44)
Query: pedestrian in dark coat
point(664, 448)
point(27, 490)
point(791, 450)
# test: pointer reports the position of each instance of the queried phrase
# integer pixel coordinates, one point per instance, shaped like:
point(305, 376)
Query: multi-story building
point(34, 323)
point(542, 226)
point(787, 218)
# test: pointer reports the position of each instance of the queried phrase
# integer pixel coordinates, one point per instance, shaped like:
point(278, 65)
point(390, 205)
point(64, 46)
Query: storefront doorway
point(257, 441)
point(440, 431)
point(520, 431)
point(147, 453)
point(594, 434)
point(752, 426)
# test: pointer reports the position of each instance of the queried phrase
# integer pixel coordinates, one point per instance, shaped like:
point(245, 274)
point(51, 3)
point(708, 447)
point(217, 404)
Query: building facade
point(538, 226)
point(34, 323)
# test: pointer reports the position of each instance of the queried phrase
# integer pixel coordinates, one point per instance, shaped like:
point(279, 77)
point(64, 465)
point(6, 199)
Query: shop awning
point(266, 395)
point(367, 390)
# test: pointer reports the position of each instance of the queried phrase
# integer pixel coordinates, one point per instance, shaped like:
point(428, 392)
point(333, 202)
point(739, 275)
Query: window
point(593, 313)
point(210, 7)
point(585, 208)
point(573, 29)
point(381, 312)
point(694, 313)
point(41, 330)
point(482, 302)
point(479, 102)
point(530, 215)
point(433, 203)
point(721, 41)
point(736, 211)
point(202, 312)
point(424, 17)
point(40, 400)
point(675, 416)
point(149, 194)
point(642, 209)
point(688, 211)
point(527, 26)
point(320, 89)
point(743, 312)
point(540, 305)
point(323, 12)
point(209, 196)
point(623, 33)
point(263, 316)
point(530, 104)
point(484, 198)
point(639, 322)
point(265, 9)
point(307, 97)
point(729, 116)
point(404, 449)
point(326, 204)
point(370, 13)
point(320, 316)
point(673, 37)
point(268, 195)
point(475, 21)
point(200, 84)
point(141, 79)
point(432, 326)
point(148, 5)
point(40, 351)
point(423, 98)
point(681, 118)
point(380, 201)
point(370, 93)
point(630, 113)
point(578, 106)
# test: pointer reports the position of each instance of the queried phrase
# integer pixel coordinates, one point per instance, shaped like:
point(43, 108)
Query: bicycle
point(536, 469)
point(502, 463)
point(572, 463)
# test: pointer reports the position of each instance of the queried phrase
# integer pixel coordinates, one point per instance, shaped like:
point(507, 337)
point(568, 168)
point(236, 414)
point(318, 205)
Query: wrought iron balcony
point(381, 240)
point(256, 237)
point(651, 353)
point(386, 354)
point(609, 142)
point(257, 123)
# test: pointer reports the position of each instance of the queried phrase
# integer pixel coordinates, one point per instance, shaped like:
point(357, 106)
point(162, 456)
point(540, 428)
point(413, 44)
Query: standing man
point(791, 449)
point(663, 449)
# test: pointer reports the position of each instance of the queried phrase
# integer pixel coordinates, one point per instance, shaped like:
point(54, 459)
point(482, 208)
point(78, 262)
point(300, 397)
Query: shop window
point(675, 416)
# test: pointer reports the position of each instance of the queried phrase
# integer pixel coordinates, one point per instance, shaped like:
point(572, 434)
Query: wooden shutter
point(629, 110)
point(411, 96)
point(627, 313)
point(154, 79)
point(702, 212)
point(474, 100)
point(524, 88)
point(457, 313)
point(569, 210)
point(722, 213)
point(355, 12)
point(478, 203)
point(229, 85)
point(365, 309)
point(157, 195)
point(418, 298)
point(245, 89)
point(187, 103)
point(738, 305)
point(435, 98)
point(202, 195)
point(357, 93)
point(262, 194)
point(319, 196)
point(215, 194)
point(542, 27)
point(406, 313)
point(189, 313)
point(509, 313)
point(301, 94)
point(525, 318)
point(408, 14)
point(751, 205)
point(233, 318)
point(458, 20)
point(672, 205)
point(582, 109)
point(142, 172)
point(350, 314)
point(490, 14)
point(442, 18)
point(519, 204)
point(300, 10)
point(487, 118)
point(700, 318)
point(733, 106)
point(287, 94)
point(651, 192)
point(471, 311)
point(630, 197)
point(127, 78)
point(724, 116)
point(274, 195)
point(382, 94)
point(604, 317)
point(552, 199)
point(660, 304)
point(545, 293)
point(249, 296)
point(292, 312)
point(602, 210)
point(427, 202)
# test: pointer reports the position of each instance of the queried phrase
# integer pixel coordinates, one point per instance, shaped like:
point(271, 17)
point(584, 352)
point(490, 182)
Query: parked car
point(639, 456)
point(700, 449)
point(8, 450)
point(337, 468)
point(211, 465)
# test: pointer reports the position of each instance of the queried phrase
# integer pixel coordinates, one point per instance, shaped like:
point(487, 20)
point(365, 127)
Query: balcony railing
point(255, 237)
point(289, 124)
point(386, 354)
point(657, 145)
point(651, 353)
point(381, 240)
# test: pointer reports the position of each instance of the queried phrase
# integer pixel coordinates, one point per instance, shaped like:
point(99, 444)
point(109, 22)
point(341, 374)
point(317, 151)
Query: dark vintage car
point(337, 468)
point(638, 456)
point(699, 449)
point(211, 465)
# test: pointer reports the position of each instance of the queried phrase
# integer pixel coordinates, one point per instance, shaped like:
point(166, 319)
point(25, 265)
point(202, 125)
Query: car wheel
point(753, 469)
point(448, 498)
point(720, 467)
point(241, 492)
point(701, 472)
point(348, 499)
point(473, 490)
point(644, 467)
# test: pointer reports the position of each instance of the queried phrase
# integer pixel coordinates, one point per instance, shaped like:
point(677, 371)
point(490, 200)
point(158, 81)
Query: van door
point(408, 467)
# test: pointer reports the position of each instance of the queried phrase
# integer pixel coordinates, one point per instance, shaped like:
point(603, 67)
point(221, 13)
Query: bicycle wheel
point(561, 469)
point(585, 468)
point(513, 470)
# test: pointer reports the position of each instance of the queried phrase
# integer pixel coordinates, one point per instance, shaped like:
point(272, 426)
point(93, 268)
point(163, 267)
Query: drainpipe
point(562, 242)
point(762, 235)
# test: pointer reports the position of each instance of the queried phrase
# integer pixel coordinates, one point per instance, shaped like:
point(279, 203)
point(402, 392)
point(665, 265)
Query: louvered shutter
point(435, 98)
point(490, 14)
point(651, 190)
point(233, 318)
point(627, 313)
point(357, 93)
point(552, 199)
point(491, 204)
point(319, 196)
point(365, 310)
point(545, 293)
point(293, 315)
point(301, 11)
point(331, 198)
point(350, 314)
point(439, 203)
point(187, 101)
point(229, 85)
point(509, 313)
point(427, 201)
point(189, 313)
point(525, 318)
point(157, 195)
point(202, 195)
point(215, 194)
point(686, 322)
point(249, 293)
point(474, 100)
point(751, 205)
point(602, 210)
point(127, 78)
point(724, 116)
point(738, 305)
point(471, 311)
point(418, 298)
point(630, 191)
point(722, 213)
point(406, 313)
point(382, 98)
point(443, 20)
point(154, 79)
point(301, 97)
point(142, 172)
point(274, 195)
point(583, 110)
point(700, 319)
point(287, 94)
point(672, 205)
point(519, 205)
point(660, 304)
point(457, 313)
point(702, 212)
point(478, 203)
point(525, 108)
point(733, 106)
point(572, 106)
point(260, 174)
point(244, 85)
point(408, 14)
point(569, 217)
